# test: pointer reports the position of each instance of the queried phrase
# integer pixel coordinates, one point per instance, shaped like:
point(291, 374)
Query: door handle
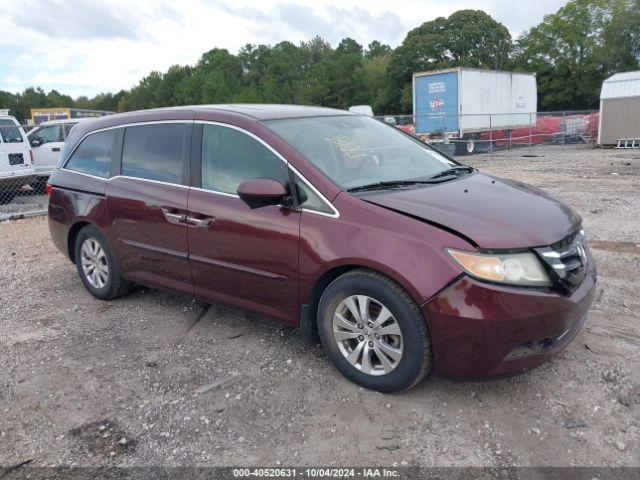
point(199, 222)
point(173, 216)
point(55, 149)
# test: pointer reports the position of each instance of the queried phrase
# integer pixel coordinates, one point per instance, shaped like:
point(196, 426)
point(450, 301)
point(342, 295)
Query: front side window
point(93, 155)
point(45, 135)
point(230, 157)
point(155, 151)
point(9, 132)
point(358, 150)
point(310, 200)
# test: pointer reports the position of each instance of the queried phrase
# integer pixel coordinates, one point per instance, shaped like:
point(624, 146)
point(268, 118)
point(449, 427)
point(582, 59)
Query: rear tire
point(97, 266)
point(387, 328)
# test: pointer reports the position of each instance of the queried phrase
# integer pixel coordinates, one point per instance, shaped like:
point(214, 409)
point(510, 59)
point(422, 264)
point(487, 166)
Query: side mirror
point(35, 143)
point(261, 192)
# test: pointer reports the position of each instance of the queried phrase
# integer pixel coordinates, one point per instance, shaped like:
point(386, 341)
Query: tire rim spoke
point(387, 365)
point(353, 308)
point(363, 306)
point(366, 359)
point(390, 351)
point(340, 321)
point(382, 318)
point(354, 356)
point(341, 335)
point(391, 329)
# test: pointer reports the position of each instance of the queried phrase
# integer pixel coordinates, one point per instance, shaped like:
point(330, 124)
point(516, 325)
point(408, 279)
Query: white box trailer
point(463, 100)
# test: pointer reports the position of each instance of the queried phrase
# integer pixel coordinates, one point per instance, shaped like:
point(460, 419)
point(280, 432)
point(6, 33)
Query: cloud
point(332, 23)
point(521, 19)
point(80, 19)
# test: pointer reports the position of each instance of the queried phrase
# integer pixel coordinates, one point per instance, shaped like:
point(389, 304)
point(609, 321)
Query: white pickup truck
point(47, 142)
point(16, 162)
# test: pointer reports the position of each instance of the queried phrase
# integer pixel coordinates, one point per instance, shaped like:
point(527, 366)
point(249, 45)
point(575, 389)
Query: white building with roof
point(619, 108)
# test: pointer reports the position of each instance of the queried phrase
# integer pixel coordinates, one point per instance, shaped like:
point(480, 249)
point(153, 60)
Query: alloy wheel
point(368, 335)
point(94, 262)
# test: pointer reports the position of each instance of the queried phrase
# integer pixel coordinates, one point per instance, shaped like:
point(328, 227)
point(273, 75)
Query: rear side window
point(93, 155)
point(9, 132)
point(155, 152)
point(230, 157)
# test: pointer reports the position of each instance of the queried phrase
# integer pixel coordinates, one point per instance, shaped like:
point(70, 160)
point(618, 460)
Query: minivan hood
point(492, 212)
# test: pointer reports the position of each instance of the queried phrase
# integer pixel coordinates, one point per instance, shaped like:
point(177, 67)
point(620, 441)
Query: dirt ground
point(156, 379)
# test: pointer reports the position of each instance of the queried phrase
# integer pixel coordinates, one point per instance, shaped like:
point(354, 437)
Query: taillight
point(49, 189)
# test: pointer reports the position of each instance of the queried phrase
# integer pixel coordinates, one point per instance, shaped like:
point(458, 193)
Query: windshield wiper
point(437, 178)
point(388, 184)
point(452, 171)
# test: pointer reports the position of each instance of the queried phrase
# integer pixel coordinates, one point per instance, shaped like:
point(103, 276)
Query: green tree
point(30, 98)
point(168, 93)
point(10, 101)
point(377, 49)
point(337, 81)
point(375, 82)
point(271, 74)
point(620, 36)
point(574, 50)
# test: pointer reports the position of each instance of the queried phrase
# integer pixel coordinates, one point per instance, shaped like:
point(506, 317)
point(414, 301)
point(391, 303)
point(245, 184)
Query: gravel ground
point(156, 379)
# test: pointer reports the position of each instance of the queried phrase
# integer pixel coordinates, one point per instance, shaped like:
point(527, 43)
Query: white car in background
point(47, 142)
point(16, 162)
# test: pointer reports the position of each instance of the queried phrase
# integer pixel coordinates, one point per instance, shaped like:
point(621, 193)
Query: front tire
point(373, 332)
point(97, 267)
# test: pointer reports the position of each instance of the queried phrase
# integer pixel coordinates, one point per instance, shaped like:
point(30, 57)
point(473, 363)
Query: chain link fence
point(470, 134)
point(23, 183)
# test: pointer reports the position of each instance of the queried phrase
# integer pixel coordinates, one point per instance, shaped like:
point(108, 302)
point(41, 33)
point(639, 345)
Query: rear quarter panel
point(75, 198)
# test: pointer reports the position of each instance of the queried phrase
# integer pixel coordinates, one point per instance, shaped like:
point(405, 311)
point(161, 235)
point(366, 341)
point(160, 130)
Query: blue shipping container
point(436, 102)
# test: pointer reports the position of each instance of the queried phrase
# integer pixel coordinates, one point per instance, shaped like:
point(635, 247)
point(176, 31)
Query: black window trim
point(193, 162)
point(116, 160)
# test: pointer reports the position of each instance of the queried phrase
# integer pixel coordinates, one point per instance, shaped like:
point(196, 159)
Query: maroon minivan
point(402, 260)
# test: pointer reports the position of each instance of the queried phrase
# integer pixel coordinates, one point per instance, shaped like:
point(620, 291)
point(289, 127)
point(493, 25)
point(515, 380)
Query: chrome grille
point(567, 258)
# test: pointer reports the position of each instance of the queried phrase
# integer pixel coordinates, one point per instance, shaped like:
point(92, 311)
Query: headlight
point(511, 268)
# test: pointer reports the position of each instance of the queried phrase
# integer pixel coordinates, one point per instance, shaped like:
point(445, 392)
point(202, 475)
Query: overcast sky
point(82, 47)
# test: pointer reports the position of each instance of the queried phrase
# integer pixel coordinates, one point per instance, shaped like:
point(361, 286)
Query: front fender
point(406, 250)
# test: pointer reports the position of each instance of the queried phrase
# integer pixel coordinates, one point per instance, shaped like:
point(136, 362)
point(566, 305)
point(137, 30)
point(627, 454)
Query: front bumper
point(479, 330)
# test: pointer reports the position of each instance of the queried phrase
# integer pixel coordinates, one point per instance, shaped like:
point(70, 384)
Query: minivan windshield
point(356, 151)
